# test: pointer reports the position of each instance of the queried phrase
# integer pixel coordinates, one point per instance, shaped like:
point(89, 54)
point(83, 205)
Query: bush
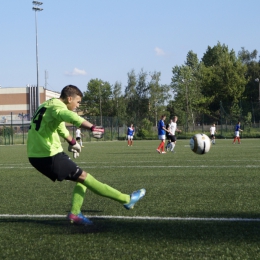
point(143, 133)
point(146, 129)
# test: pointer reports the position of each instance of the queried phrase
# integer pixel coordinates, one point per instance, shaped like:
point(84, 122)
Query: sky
point(81, 40)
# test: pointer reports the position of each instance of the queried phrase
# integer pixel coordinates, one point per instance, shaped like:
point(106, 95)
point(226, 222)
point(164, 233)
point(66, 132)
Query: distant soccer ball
point(200, 144)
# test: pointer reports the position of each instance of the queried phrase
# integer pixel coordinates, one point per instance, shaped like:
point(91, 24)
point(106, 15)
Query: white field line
point(150, 166)
point(135, 162)
point(141, 218)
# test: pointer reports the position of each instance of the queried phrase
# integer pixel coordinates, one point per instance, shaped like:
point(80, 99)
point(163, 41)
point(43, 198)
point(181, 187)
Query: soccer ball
point(200, 144)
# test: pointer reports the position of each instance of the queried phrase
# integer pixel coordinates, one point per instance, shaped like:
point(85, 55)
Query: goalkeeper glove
point(74, 147)
point(97, 131)
point(75, 155)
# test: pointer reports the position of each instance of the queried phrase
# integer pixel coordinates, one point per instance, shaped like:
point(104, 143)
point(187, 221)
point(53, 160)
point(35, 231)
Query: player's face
point(73, 102)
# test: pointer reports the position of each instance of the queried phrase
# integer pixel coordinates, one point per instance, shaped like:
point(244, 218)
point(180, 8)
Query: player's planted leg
point(172, 147)
point(168, 145)
point(75, 216)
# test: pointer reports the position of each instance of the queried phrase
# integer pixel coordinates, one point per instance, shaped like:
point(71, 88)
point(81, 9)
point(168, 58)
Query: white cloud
point(159, 52)
point(76, 72)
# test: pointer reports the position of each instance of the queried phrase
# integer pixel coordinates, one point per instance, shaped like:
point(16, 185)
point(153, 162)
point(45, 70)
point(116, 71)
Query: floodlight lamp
point(37, 3)
point(257, 80)
point(37, 9)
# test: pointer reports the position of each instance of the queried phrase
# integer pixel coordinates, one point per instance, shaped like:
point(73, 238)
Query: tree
point(251, 94)
point(141, 95)
point(189, 102)
point(145, 98)
point(131, 96)
point(247, 57)
point(158, 95)
point(98, 98)
point(223, 77)
point(119, 104)
point(192, 61)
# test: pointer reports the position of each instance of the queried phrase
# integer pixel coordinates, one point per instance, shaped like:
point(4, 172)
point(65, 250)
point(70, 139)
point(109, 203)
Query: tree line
point(222, 84)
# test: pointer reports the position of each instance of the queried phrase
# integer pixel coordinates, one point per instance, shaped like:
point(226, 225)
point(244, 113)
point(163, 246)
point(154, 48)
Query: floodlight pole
point(100, 106)
point(257, 80)
point(37, 9)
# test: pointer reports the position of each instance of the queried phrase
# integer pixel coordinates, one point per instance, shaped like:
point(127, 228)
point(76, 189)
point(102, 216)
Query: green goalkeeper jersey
point(47, 126)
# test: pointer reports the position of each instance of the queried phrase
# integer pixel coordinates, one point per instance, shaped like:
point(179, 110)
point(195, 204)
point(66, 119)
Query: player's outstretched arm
point(166, 129)
point(97, 131)
point(86, 124)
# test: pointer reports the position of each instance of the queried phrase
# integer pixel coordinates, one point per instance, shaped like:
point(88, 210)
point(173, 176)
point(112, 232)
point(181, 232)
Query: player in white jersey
point(78, 136)
point(212, 133)
point(173, 128)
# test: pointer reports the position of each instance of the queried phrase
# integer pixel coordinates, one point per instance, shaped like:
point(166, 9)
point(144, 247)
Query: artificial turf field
point(196, 206)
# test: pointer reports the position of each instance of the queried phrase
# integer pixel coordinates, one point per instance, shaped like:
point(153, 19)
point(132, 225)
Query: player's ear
point(69, 99)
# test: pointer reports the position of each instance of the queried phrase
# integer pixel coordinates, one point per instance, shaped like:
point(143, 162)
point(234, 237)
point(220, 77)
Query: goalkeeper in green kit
point(46, 154)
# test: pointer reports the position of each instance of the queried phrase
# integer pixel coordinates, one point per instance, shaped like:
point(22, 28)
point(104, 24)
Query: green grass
point(221, 184)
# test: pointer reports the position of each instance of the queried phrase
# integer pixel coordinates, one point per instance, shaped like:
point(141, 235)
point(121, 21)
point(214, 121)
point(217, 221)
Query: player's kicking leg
point(85, 181)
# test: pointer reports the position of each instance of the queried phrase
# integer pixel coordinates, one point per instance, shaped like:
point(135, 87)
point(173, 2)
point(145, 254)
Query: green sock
point(104, 190)
point(78, 198)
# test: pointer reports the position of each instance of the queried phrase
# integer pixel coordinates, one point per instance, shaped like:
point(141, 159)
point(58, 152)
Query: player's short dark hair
point(70, 91)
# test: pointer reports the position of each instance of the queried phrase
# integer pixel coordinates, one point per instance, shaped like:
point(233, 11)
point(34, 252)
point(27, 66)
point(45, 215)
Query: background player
point(237, 130)
point(213, 131)
point(78, 136)
point(173, 128)
point(46, 154)
point(130, 135)
point(168, 136)
point(161, 134)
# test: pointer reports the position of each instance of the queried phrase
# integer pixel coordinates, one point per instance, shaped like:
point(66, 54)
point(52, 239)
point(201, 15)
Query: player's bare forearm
point(97, 131)
point(68, 138)
point(165, 129)
point(86, 124)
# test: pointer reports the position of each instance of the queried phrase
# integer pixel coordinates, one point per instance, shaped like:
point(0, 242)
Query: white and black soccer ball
point(200, 144)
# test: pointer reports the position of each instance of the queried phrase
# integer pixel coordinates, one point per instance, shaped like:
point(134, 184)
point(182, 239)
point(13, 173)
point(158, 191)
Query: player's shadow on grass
point(52, 226)
point(154, 230)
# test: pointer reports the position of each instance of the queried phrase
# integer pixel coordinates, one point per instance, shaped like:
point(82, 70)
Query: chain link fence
point(14, 129)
